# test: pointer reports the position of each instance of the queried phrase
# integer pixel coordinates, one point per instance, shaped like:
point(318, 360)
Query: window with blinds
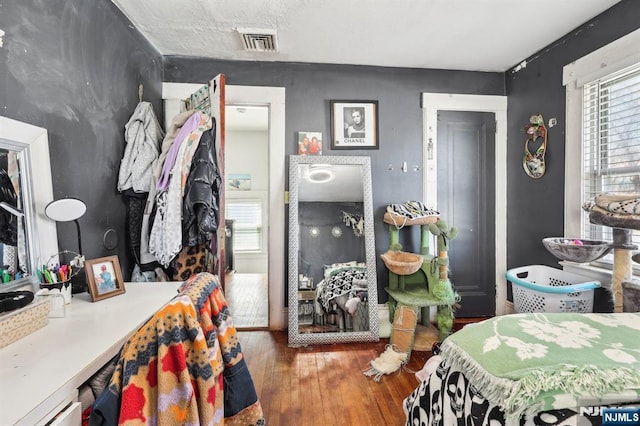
point(611, 142)
point(247, 228)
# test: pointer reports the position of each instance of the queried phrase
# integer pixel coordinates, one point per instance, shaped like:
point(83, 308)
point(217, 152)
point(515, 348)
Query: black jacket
point(200, 206)
point(8, 222)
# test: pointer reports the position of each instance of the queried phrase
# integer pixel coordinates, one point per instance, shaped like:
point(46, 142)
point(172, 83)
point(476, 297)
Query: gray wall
point(73, 67)
point(536, 206)
point(310, 88)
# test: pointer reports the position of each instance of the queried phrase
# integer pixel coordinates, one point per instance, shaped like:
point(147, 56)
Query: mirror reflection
point(332, 251)
point(12, 232)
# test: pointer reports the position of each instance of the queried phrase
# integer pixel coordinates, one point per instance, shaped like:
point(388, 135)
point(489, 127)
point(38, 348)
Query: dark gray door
point(466, 200)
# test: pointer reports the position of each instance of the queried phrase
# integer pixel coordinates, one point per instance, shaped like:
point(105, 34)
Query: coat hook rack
point(404, 167)
point(140, 92)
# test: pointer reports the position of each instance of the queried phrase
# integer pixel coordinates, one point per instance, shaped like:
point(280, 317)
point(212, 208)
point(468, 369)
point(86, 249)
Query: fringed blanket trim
point(525, 395)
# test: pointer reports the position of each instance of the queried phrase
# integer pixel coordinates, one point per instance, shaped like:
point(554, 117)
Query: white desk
point(41, 373)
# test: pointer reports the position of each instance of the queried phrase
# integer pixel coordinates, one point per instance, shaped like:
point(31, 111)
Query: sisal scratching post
point(621, 272)
point(398, 351)
point(622, 246)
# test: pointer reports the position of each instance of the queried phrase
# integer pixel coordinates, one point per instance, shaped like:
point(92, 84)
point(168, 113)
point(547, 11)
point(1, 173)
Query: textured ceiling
point(475, 35)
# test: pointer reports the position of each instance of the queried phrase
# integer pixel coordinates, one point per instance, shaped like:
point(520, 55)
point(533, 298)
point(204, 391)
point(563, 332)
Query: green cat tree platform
point(428, 285)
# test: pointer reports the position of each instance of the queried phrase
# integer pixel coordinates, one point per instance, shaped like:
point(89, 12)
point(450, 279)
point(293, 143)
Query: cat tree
point(421, 280)
point(622, 250)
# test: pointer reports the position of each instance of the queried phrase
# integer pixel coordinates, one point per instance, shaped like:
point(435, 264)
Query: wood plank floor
point(248, 299)
point(324, 384)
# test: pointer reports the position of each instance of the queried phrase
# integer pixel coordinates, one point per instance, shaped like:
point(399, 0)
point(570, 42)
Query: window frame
point(263, 226)
point(607, 60)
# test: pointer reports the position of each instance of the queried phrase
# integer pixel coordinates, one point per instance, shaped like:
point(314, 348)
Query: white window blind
point(247, 228)
point(611, 142)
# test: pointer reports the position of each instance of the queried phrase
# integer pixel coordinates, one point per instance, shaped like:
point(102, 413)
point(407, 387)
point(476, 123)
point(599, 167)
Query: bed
point(344, 290)
point(532, 369)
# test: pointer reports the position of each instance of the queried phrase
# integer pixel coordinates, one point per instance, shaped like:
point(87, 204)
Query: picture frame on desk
point(104, 277)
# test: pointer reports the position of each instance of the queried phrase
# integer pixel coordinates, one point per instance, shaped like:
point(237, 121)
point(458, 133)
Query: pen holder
point(59, 273)
point(63, 288)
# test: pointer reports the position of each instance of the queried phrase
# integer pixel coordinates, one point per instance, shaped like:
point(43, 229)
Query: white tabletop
point(40, 370)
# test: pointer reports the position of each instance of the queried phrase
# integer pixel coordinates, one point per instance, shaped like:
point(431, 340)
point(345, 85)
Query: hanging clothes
point(148, 260)
point(191, 261)
point(200, 209)
point(142, 137)
point(165, 239)
point(8, 221)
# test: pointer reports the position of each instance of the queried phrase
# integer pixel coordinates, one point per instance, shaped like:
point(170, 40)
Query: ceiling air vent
point(258, 40)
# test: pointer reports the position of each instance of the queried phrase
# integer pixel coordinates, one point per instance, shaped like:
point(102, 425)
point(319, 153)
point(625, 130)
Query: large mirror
point(27, 237)
point(332, 265)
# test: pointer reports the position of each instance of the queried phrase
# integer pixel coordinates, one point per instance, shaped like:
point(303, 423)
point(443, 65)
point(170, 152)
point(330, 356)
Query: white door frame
point(274, 99)
point(431, 103)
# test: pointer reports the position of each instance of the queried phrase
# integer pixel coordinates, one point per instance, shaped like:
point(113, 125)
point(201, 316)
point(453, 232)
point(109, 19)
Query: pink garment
point(189, 126)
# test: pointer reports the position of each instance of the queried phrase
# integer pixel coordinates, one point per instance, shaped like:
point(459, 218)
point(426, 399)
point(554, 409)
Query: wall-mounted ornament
point(354, 221)
point(336, 231)
point(314, 232)
point(536, 132)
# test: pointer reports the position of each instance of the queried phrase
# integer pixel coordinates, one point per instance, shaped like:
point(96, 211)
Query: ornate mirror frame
point(295, 337)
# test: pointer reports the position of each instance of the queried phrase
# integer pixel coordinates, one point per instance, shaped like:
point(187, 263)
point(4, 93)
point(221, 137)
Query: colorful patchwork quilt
point(183, 367)
point(164, 375)
point(241, 405)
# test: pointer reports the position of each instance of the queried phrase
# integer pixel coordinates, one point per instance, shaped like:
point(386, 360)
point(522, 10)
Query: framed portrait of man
point(354, 124)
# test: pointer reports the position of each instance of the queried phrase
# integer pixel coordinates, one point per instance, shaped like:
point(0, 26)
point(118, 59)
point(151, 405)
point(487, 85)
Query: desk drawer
point(70, 416)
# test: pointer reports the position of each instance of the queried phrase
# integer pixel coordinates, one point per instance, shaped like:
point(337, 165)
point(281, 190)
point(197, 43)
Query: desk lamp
point(67, 210)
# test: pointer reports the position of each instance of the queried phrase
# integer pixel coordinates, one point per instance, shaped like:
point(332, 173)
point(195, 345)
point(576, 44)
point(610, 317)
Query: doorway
point(247, 214)
point(272, 98)
point(435, 105)
point(465, 166)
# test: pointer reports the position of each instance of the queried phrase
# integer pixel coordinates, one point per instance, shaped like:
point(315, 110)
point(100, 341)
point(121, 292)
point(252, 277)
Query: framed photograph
point(239, 182)
point(104, 277)
point(309, 143)
point(354, 124)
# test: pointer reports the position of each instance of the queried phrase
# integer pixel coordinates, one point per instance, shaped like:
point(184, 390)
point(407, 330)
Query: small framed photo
point(309, 143)
point(354, 124)
point(239, 182)
point(104, 277)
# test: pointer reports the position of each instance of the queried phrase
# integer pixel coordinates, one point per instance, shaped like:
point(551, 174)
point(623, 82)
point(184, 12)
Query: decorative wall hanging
point(336, 231)
point(354, 124)
point(534, 164)
point(354, 221)
point(309, 143)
